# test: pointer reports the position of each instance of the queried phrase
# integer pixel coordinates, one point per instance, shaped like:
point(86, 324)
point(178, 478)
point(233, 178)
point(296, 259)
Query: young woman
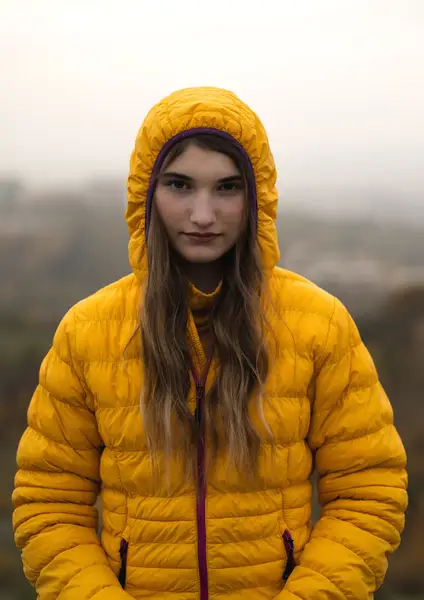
point(200, 393)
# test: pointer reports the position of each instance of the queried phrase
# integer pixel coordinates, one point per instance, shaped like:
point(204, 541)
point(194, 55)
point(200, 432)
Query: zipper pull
point(289, 546)
point(199, 398)
point(123, 552)
point(123, 548)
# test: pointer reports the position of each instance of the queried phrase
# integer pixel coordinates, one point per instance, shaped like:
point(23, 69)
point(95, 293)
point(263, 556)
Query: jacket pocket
point(289, 546)
point(123, 554)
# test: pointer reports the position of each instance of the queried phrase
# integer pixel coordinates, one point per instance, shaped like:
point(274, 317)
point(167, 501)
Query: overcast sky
point(338, 84)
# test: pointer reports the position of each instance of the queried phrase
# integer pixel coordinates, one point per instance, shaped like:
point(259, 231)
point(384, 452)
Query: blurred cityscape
point(59, 245)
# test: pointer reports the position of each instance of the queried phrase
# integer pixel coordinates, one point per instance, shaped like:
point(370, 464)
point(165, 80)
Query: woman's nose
point(203, 212)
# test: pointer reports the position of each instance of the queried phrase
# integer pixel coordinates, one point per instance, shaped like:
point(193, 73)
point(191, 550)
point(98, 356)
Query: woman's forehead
point(200, 163)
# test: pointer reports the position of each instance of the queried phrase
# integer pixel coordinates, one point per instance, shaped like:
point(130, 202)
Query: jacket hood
point(185, 113)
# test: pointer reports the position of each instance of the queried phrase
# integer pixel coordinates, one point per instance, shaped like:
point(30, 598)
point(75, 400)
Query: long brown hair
point(237, 323)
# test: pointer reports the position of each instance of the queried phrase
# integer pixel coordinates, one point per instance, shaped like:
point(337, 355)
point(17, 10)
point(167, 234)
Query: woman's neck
point(204, 276)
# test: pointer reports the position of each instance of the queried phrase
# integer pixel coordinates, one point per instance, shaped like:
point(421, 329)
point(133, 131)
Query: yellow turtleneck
point(201, 306)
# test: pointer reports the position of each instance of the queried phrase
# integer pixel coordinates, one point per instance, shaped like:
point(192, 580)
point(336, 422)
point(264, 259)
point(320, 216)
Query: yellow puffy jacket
point(218, 539)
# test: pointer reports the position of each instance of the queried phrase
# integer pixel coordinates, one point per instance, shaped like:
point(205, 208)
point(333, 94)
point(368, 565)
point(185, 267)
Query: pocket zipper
point(289, 546)
point(123, 553)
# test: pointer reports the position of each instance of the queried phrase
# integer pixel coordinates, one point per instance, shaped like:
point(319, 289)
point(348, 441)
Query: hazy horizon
point(339, 86)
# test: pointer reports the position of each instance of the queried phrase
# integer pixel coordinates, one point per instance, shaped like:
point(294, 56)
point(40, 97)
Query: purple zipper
point(289, 546)
point(123, 553)
point(201, 481)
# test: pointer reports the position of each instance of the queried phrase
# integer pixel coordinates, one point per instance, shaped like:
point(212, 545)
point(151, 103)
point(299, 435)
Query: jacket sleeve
point(361, 462)
point(57, 484)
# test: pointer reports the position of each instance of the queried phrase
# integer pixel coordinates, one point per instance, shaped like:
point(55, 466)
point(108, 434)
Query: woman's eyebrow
point(176, 175)
point(230, 179)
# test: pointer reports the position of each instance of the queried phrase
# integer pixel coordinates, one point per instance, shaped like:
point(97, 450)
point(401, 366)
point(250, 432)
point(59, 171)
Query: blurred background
point(339, 86)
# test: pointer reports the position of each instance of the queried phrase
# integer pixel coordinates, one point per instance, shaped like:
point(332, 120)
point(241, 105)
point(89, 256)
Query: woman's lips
point(202, 238)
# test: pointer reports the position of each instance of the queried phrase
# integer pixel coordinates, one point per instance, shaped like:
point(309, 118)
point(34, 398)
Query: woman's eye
point(229, 187)
point(176, 184)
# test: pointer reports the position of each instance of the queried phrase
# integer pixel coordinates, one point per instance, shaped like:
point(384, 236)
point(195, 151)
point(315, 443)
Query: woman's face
point(200, 197)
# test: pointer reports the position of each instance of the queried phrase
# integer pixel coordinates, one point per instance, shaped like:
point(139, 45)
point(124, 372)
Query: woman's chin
point(201, 253)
